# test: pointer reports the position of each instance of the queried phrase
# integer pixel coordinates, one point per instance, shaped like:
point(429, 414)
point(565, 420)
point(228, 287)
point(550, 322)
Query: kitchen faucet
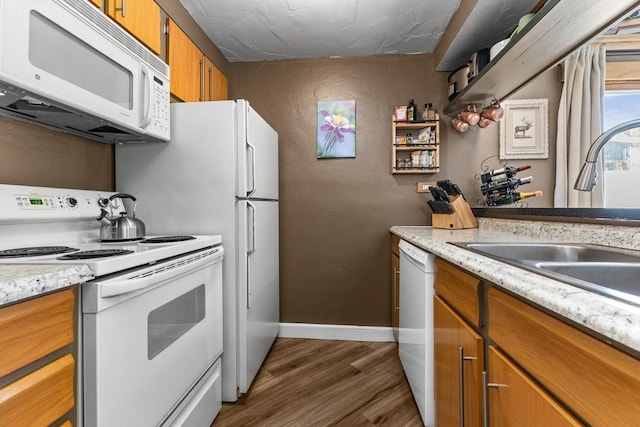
point(588, 174)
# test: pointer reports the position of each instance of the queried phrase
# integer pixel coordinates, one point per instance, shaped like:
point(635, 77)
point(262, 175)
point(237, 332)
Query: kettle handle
point(122, 196)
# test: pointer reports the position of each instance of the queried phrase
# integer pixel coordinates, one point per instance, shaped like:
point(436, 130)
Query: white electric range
point(151, 320)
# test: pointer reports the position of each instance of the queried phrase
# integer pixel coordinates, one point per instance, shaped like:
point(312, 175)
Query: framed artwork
point(524, 130)
point(336, 129)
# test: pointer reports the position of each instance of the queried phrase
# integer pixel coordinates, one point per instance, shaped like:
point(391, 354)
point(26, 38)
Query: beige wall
point(335, 214)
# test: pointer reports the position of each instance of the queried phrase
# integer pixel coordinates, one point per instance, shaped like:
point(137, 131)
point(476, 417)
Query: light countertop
point(22, 281)
point(610, 319)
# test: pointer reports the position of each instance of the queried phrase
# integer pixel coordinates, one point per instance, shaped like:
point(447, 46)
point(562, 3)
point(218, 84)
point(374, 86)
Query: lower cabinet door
point(459, 361)
point(515, 400)
point(41, 397)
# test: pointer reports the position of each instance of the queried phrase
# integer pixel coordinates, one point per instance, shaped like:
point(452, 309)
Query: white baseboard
point(336, 332)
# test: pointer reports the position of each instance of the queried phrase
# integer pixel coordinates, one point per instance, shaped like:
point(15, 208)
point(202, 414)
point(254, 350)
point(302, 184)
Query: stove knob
point(103, 202)
point(72, 202)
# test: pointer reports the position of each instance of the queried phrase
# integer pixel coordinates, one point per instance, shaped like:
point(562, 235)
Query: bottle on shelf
point(505, 199)
point(412, 111)
point(429, 112)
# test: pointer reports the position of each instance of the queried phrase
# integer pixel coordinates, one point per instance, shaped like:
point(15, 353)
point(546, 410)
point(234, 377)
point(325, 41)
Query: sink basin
point(621, 280)
point(609, 271)
point(560, 252)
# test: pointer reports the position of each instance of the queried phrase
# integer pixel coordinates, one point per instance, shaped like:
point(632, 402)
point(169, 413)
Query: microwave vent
point(94, 15)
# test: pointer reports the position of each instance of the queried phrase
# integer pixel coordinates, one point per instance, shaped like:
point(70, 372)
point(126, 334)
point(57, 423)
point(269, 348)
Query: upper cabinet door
point(215, 83)
point(140, 17)
point(185, 60)
point(219, 85)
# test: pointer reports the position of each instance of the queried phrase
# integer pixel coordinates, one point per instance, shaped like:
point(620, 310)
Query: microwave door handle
point(252, 169)
point(145, 120)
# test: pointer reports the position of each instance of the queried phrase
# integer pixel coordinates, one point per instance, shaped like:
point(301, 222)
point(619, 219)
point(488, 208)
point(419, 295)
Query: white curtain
point(579, 124)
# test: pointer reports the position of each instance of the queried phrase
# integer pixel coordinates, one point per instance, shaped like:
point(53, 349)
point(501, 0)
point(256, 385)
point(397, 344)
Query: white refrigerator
point(218, 174)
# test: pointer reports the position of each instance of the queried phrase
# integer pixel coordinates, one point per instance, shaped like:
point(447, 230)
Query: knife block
point(462, 217)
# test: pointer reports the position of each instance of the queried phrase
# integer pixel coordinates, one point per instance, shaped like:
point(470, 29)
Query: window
point(621, 155)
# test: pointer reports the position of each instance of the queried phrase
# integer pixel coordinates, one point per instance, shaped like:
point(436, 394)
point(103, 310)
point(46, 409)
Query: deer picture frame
point(524, 129)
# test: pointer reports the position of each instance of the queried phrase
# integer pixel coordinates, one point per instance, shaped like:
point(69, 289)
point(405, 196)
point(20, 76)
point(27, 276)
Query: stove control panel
point(20, 203)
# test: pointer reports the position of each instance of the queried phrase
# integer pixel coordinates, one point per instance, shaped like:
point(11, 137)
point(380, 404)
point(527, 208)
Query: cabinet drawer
point(35, 328)
point(40, 397)
point(459, 289)
point(599, 382)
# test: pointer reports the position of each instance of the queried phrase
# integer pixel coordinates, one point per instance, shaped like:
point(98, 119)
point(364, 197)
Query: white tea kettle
point(122, 227)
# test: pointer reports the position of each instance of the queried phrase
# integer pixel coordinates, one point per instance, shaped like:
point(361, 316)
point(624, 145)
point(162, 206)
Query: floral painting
point(336, 129)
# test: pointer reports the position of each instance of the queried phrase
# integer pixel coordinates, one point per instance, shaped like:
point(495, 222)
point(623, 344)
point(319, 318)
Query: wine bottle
point(501, 186)
point(509, 171)
point(411, 111)
point(505, 199)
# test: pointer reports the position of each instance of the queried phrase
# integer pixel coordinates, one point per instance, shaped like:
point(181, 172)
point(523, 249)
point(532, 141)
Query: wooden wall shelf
point(401, 153)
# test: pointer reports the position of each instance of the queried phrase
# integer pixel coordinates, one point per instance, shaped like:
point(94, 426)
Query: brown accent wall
point(463, 154)
point(33, 155)
point(335, 214)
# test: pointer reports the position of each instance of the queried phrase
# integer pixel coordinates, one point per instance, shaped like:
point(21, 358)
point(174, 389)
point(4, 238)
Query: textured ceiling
point(258, 30)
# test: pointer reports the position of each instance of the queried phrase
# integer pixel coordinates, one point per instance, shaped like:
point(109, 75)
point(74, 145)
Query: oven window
point(167, 323)
point(56, 51)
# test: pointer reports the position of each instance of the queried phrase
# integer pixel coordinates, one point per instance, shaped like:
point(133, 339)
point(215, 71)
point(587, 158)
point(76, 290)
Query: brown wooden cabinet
point(194, 77)
point(140, 17)
point(511, 395)
point(539, 369)
point(598, 382)
point(220, 85)
point(215, 83)
point(459, 363)
point(37, 361)
point(185, 60)
point(395, 284)
point(408, 139)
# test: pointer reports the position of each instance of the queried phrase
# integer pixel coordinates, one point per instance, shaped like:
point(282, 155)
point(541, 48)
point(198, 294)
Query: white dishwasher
point(416, 326)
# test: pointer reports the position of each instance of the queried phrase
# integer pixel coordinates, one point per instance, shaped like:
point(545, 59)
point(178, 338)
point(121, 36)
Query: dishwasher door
point(416, 326)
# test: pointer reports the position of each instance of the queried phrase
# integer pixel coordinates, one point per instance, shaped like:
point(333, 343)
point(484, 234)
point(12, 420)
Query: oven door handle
point(150, 277)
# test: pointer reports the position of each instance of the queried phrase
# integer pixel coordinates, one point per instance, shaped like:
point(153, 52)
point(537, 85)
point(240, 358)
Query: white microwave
point(65, 65)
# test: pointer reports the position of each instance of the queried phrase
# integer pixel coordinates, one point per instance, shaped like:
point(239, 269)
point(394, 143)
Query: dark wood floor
point(326, 383)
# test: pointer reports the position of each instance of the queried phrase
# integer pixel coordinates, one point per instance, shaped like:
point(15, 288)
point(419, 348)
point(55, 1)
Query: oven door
point(146, 348)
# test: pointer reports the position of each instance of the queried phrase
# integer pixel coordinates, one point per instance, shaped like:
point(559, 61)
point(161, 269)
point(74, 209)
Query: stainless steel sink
point(560, 252)
point(621, 280)
point(609, 271)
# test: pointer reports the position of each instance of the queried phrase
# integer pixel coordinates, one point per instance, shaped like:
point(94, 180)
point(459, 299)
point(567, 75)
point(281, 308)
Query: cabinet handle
point(210, 80)
point(122, 9)
point(485, 398)
point(461, 359)
point(397, 288)
point(202, 79)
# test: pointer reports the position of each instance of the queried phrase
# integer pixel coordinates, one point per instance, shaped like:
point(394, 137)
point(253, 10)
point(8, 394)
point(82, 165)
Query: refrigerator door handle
point(250, 251)
point(252, 169)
